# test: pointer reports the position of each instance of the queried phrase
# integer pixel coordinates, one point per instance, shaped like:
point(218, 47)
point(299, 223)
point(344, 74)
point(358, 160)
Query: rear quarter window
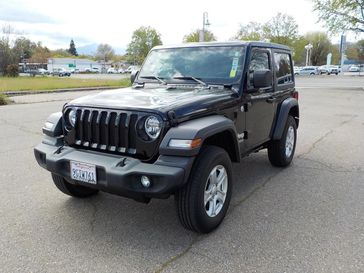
point(284, 70)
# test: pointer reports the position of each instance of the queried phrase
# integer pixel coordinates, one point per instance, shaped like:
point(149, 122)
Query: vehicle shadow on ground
point(121, 224)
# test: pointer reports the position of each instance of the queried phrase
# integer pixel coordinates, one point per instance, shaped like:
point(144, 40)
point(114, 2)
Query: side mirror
point(262, 78)
point(133, 75)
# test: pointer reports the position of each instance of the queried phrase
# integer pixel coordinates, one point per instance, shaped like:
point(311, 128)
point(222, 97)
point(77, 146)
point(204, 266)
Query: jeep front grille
point(106, 130)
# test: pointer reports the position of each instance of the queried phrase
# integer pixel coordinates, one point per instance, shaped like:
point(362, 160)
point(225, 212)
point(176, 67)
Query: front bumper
point(117, 174)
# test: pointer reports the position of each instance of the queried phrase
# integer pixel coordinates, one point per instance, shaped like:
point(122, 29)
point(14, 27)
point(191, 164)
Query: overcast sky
point(113, 21)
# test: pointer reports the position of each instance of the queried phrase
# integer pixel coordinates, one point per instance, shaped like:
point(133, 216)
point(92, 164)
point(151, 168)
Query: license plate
point(83, 172)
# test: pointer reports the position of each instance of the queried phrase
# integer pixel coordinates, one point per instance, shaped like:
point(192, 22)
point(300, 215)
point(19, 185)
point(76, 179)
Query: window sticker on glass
point(234, 67)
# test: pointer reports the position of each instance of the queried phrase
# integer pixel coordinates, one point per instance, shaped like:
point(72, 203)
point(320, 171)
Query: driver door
point(260, 106)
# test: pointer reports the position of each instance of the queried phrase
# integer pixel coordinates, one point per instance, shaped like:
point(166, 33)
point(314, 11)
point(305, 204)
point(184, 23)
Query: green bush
point(3, 99)
point(12, 70)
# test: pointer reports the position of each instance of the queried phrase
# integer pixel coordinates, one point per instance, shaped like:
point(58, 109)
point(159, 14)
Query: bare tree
point(104, 52)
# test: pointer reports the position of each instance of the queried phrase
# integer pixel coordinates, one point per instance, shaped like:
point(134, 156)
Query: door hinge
point(243, 136)
point(245, 107)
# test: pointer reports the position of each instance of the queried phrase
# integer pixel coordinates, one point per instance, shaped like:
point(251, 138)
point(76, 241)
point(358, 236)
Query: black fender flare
point(284, 110)
point(198, 128)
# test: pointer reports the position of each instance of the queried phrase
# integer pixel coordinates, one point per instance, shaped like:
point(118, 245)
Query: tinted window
point(258, 61)
point(283, 68)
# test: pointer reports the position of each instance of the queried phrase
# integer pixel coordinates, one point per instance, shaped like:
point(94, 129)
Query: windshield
point(215, 64)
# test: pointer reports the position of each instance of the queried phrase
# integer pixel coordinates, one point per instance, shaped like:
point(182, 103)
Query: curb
point(28, 92)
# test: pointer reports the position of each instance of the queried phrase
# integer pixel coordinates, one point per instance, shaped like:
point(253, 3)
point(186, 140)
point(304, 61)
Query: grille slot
point(106, 130)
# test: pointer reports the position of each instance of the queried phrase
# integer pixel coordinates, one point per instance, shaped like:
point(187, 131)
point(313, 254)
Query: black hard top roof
point(232, 43)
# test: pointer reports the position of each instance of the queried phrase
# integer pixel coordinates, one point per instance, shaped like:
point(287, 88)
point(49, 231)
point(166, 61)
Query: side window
point(258, 61)
point(283, 67)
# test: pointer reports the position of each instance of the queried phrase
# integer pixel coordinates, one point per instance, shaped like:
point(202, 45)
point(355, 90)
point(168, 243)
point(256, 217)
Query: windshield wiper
point(191, 78)
point(155, 78)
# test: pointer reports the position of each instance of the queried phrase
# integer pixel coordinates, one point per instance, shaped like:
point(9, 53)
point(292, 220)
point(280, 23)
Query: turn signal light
point(185, 143)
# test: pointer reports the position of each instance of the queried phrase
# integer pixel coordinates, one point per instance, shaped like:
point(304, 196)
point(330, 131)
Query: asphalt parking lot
point(308, 217)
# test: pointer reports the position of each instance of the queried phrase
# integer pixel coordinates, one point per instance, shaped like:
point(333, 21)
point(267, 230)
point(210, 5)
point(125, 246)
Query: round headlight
point(153, 127)
point(72, 117)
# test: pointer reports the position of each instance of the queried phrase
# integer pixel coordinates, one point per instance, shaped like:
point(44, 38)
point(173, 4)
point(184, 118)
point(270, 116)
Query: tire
point(72, 190)
point(194, 211)
point(281, 152)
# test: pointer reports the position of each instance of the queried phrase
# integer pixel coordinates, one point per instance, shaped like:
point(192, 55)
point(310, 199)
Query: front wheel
point(72, 190)
point(203, 202)
point(280, 152)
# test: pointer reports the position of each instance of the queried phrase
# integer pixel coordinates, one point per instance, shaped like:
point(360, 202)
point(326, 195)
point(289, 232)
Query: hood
point(183, 101)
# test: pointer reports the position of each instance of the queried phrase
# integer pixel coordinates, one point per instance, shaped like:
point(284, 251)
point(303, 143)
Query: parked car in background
point(333, 69)
point(111, 70)
point(309, 70)
point(121, 71)
point(297, 70)
point(328, 69)
point(354, 68)
point(132, 68)
point(43, 72)
point(322, 69)
point(91, 70)
point(74, 70)
point(61, 72)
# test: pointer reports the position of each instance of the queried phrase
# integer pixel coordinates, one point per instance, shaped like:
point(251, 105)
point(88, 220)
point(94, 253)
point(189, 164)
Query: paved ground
point(306, 218)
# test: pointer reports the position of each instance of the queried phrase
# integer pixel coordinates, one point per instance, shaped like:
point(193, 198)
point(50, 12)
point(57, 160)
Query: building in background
point(73, 64)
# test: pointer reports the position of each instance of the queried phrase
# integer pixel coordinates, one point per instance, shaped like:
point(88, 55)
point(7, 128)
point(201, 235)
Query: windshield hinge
point(172, 118)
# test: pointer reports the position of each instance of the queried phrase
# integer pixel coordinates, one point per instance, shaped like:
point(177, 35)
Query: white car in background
point(111, 70)
point(132, 68)
point(42, 71)
point(333, 69)
point(323, 69)
point(309, 70)
point(297, 70)
point(354, 68)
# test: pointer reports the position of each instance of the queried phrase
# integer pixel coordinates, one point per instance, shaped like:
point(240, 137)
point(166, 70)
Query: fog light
point(145, 181)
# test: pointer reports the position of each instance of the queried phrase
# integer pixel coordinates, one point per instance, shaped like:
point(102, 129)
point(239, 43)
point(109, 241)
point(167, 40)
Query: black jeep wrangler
point(192, 110)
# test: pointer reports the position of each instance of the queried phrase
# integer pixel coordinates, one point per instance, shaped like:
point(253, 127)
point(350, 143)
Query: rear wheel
point(72, 190)
point(204, 201)
point(280, 152)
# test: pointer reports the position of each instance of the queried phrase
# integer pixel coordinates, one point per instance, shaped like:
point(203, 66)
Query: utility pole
point(308, 51)
point(342, 50)
point(205, 23)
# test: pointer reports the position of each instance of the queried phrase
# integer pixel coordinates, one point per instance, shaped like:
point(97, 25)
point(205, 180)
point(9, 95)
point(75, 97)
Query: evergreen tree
point(72, 50)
